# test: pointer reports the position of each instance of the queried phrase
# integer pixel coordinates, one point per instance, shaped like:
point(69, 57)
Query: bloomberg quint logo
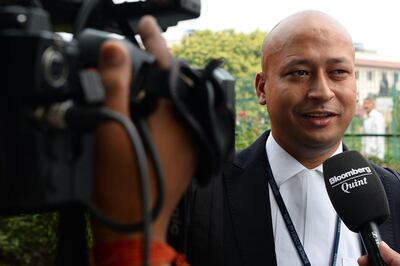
point(351, 179)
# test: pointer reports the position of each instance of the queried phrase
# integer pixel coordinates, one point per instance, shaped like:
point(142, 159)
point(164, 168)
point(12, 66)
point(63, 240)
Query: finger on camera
point(152, 39)
point(115, 70)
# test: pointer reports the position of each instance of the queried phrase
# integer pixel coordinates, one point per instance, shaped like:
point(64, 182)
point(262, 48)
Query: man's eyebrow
point(338, 60)
point(304, 61)
point(295, 62)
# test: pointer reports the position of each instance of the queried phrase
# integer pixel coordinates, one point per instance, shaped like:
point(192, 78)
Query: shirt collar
point(283, 165)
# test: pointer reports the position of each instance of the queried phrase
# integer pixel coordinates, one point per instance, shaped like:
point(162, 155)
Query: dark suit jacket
point(247, 237)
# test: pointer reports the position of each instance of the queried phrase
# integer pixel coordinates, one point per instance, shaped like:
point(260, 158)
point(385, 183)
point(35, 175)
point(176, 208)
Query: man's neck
point(310, 157)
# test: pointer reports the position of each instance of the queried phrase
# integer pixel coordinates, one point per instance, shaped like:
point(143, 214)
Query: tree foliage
point(240, 52)
point(394, 153)
point(28, 239)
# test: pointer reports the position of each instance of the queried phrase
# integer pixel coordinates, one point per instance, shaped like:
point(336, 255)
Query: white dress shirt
point(374, 123)
point(305, 196)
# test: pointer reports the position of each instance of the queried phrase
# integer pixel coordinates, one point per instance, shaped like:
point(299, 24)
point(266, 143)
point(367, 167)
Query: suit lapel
point(248, 202)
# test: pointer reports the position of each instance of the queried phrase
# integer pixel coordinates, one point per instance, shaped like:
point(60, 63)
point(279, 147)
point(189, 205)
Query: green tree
point(240, 51)
point(394, 143)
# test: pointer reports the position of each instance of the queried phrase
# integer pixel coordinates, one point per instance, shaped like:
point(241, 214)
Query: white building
point(372, 70)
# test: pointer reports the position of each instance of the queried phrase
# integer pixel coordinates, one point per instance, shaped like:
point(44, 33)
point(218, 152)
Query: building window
point(384, 89)
point(357, 74)
point(369, 75)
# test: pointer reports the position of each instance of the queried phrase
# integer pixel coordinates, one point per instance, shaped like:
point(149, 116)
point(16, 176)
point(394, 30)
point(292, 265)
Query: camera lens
point(55, 67)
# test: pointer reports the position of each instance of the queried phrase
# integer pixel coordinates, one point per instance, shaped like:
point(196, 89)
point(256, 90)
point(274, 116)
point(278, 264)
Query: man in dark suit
point(308, 86)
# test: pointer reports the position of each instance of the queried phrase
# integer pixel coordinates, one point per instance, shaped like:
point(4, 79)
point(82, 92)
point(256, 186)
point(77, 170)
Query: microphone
point(358, 196)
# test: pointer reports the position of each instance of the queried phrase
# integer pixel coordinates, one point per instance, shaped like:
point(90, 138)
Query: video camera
point(50, 95)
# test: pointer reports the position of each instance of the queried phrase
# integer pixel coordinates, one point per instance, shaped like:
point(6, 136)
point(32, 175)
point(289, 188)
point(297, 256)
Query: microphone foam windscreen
point(355, 190)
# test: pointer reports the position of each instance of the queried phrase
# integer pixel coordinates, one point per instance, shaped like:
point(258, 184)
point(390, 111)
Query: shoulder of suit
point(246, 157)
point(387, 174)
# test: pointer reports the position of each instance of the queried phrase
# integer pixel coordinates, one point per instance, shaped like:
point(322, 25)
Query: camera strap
point(201, 102)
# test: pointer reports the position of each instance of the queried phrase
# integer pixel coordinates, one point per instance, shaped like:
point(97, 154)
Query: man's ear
point(260, 84)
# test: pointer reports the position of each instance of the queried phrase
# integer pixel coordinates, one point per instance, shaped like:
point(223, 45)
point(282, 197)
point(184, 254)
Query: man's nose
point(320, 88)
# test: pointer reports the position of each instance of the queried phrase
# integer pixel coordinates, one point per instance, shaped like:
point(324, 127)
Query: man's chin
point(322, 141)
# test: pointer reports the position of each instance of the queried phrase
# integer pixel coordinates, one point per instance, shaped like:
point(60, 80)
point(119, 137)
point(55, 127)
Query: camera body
point(41, 67)
point(43, 166)
point(50, 65)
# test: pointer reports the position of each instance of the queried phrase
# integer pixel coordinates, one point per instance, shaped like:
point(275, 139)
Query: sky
point(374, 23)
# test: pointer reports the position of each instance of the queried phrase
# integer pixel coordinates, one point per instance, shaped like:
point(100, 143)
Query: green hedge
point(28, 239)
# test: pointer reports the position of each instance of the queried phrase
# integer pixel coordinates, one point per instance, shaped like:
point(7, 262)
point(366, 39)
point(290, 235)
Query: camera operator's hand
point(389, 256)
point(116, 189)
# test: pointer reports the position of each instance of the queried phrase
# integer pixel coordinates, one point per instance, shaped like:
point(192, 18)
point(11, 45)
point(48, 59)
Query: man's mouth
point(319, 118)
point(319, 114)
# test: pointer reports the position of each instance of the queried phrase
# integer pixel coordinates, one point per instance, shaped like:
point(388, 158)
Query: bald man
point(308, 86)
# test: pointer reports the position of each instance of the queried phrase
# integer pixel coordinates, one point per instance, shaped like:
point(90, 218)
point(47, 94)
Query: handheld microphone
point(358, 196)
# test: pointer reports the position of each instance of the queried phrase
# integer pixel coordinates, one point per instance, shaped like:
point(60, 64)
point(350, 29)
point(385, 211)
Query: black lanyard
point(290, 226)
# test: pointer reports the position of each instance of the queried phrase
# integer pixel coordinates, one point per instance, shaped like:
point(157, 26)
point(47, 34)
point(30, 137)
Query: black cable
point(76, 118)
point(83, 15)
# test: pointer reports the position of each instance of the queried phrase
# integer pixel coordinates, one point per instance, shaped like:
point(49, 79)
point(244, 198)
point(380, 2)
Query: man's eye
point(299, 73)
point(339, 72)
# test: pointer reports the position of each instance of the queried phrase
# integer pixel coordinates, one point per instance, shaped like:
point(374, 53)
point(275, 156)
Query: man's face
point(368, 105)
point(309, 87)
